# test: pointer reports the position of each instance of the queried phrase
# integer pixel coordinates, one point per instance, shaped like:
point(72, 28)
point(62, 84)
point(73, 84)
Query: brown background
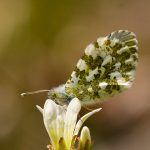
point(40, 43)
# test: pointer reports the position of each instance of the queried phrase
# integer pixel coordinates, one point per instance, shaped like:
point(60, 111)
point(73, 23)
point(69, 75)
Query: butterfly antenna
point(33, 92)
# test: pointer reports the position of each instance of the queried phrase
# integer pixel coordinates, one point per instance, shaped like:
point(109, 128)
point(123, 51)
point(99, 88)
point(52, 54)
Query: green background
point(40, 43)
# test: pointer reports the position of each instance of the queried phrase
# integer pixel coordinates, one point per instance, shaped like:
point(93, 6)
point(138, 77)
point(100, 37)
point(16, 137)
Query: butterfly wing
point(107, 67)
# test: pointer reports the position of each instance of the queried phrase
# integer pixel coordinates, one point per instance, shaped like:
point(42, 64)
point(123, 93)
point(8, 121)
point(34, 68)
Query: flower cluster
point(62, 125)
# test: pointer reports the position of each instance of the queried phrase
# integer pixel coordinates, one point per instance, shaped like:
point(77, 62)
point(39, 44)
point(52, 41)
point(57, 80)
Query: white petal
point(85, 134)
point(39, 108)
point(70, 120)
point(85, 138)
point(61, 112)
point(54, 116)
point(83, 119)
point(49, 112)
point(49, 117)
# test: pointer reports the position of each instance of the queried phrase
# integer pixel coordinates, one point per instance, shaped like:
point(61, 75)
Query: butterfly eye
point(53, 95)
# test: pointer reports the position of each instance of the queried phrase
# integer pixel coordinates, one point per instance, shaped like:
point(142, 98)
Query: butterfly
point(106, 68)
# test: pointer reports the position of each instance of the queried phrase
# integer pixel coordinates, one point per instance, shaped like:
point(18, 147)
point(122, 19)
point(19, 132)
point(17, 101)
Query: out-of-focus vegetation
point(41, 41)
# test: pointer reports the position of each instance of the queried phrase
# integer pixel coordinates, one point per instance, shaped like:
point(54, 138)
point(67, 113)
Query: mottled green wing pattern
point(107, 67)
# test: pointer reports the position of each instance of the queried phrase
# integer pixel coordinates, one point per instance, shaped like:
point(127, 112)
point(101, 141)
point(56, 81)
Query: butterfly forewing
point(107, 67)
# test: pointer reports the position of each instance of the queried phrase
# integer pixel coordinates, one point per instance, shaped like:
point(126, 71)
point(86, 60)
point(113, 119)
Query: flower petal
point(49, 117)
point(61, 112)
point(49, 113)
point(83, 119)
point(39, 108)
point(70, 120)
point(85, 139)
point(54, 116)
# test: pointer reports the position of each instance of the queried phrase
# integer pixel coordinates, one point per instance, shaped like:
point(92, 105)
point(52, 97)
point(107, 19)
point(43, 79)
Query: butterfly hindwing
point(107, 67)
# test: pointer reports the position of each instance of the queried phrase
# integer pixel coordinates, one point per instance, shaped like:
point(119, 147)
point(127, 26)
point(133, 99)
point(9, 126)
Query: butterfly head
point(59, 95)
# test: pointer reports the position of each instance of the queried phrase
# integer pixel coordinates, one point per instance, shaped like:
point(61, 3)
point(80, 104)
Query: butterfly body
point(106, 68)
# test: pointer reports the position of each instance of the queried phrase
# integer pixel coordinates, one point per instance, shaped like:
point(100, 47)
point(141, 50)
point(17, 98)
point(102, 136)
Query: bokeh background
point(40, 43)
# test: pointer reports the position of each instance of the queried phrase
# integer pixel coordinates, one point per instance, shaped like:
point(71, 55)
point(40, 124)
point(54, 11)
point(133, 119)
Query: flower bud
point(85, 139)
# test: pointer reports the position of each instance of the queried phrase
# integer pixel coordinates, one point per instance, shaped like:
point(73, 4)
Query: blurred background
point(40, 43)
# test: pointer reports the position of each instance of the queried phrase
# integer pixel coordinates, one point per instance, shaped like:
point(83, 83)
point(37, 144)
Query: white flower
point(61, 121)
point(85, 139)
